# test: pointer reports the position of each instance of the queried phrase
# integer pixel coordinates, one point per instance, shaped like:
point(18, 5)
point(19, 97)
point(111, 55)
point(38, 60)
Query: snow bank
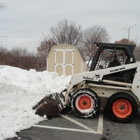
point(20, 90)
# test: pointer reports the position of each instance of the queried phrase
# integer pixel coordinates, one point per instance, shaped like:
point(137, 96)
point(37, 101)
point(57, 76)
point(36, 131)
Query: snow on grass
point(20, 90)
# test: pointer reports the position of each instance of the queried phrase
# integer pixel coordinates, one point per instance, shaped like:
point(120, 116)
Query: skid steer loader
point(113, 82)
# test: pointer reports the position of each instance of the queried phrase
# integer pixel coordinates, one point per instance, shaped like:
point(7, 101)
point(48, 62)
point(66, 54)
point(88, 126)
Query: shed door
point(64, 61)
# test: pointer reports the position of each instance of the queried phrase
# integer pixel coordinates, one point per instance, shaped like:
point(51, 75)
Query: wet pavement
point(68, 126)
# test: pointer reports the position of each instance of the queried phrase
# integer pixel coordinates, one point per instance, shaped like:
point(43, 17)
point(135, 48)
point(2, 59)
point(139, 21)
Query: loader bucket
point(51, 104)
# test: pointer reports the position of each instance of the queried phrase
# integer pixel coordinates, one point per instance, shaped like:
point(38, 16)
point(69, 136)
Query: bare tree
point(16, 52)
point(66, 32)
point(45, 46)
point(19, 57)
point(3, 51)
point(91, 35)
point(131, 42)
point(44, 49)
point(137, 52)
point(125, 41)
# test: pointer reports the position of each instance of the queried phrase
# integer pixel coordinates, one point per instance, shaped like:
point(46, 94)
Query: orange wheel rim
point(84, 102)
point(122, 108)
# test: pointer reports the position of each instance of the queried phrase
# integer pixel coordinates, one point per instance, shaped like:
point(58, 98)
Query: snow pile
point(20, 90)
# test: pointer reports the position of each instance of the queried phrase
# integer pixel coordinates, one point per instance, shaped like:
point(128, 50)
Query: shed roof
point(82, 55)
point(80, 51)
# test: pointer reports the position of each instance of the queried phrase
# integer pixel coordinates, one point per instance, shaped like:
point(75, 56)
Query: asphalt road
point(68, 126)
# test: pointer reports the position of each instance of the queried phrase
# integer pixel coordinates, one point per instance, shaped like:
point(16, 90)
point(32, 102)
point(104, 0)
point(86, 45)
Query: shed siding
point(59, 69)
point(77, 62)
point(69, 58)
point(65, 59)
point(69, 70)
point(58, 57)
point(50, 62)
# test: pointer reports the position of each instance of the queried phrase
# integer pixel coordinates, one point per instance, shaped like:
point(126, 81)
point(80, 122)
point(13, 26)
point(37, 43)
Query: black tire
point(122, 107)
point(87, 100)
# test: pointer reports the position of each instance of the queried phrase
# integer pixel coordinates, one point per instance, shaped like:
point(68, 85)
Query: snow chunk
point(20, 90)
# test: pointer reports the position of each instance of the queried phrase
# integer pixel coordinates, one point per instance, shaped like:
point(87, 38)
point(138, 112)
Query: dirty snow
point(20, 90)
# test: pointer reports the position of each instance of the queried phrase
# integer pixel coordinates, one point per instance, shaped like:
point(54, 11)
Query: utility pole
point(129, 31)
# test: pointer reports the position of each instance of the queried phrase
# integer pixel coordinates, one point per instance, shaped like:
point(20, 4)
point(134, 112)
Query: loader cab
point(111, 55)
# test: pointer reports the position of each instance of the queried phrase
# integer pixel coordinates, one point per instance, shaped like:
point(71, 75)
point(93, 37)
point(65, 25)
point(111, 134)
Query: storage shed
point(66, 59)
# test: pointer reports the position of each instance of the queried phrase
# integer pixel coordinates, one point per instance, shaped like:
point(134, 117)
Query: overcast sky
point(24, 22)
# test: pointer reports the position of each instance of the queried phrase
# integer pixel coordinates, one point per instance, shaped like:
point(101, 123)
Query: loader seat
point(114, 62)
